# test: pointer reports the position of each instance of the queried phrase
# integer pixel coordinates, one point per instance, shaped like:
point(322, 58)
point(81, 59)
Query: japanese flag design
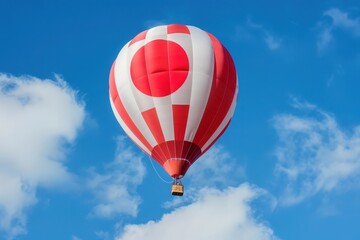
point(173, 89)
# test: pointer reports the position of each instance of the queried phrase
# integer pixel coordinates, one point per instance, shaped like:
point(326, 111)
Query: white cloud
point(272, 42)
point(314, 154)
point(38, 119)
point(115, 189)
point(325, 37)
point(339, 20)
point(214, 215)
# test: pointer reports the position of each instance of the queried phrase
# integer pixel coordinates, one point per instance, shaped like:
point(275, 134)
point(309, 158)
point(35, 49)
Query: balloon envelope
point(173, 89)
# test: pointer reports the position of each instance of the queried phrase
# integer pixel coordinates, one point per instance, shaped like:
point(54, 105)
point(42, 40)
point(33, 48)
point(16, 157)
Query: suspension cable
point(157, 173)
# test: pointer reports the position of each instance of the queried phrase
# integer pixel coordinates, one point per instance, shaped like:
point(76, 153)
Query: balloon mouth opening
point(177, 167)
point(176, 156)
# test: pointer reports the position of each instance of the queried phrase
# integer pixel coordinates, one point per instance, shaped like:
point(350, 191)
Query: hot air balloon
point(173, 90)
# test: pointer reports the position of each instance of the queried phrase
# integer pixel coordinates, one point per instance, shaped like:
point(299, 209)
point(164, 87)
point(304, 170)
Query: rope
point(157, 173)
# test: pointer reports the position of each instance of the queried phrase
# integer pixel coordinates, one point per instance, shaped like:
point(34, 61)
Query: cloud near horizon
point(39, 119)
point(214, 214)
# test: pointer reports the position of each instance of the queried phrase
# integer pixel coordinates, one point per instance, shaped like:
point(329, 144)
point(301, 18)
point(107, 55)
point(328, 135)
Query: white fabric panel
point(123, 79)
point(183, 94)
point(225, 121)
point(164, 112)
point(159, 32)
point(202, 71)
point(163, 105)
point(127, 130)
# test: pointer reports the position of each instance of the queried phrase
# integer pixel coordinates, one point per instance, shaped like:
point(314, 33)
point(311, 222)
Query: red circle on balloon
point(159, 68)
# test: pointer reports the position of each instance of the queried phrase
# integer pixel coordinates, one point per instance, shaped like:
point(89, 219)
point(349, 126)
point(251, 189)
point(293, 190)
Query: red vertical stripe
point(122, 111)
point(129, 122)
point(151, 118)
point(180, 116)
point(112, 86)
point(177, 28)
point(221, 94)
point(221, 133)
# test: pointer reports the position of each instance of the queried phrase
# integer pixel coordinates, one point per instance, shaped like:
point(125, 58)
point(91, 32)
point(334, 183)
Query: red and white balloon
point(173, 89)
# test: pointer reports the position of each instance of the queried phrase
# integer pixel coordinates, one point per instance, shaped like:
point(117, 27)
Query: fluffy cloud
point(213, 215)
point(115, 188)
point(38, 119)
point(339, 20)
point(315, 155)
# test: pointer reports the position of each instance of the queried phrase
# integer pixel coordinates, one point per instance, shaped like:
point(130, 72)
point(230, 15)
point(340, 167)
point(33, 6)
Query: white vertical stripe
point(183, 94)
point(224, 122)
point(159, 32)
point(123, 79)
point(202, 75)
point(163, 105)
point(165, 115)
point(127, 130)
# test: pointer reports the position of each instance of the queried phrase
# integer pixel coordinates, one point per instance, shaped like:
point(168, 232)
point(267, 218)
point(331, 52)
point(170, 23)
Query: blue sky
point(288, 166)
